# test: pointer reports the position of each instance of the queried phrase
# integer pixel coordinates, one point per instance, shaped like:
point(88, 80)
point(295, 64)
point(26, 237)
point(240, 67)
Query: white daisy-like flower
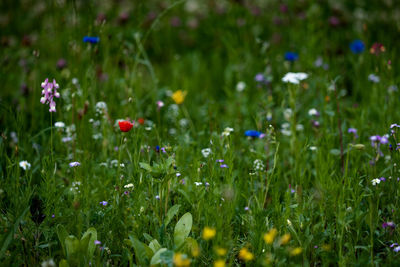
point(206, 152)
point(59, 124)
point(294, 77)
point(376, 181)
point(240, 86)
point(25, 165)
point(227, 131)
point(129, 185)
point(313, 112)
point(198, 183)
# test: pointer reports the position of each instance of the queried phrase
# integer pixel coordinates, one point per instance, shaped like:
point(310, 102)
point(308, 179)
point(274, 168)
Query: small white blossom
point(240, 86)
point(375, 181)
point(25, 165)
point(129, 185)
point(294, 77)
point(313, 112)
point(287, 113)
point(206, 152)
point(198, 183)
point(227, 131)
point(59, 124)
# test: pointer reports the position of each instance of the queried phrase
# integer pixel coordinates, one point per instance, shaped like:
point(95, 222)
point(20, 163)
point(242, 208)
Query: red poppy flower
point(141, 121)
point(125, 126)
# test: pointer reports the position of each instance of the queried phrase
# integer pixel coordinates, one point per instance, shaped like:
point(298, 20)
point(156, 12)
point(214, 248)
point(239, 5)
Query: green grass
point(315, 184)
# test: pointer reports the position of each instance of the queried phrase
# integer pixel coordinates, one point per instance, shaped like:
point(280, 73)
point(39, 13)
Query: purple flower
point(157, 197)
point(259, 77)
point(224, 166)
point(52, 216)
point(394, 244)
point(104, 203)
point(178, 174)
point(394, 125)
point(352, 130)
point(219, 160)
point(396, 249)
point(97, 242)
point(389, 224)
point(246, 208)
point(74, 164)
point(49, 92)
point(382, 179)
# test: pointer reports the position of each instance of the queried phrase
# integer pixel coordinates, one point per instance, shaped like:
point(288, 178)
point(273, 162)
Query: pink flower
point(49, 92)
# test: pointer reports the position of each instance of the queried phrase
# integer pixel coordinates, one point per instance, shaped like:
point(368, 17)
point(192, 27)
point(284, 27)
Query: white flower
point(294, 77)
point(375, 181)
point(287, 113)
point(240, 86)
point(227, 131)
point(313, 148)
point(299, 127)
point(206, 152)
point(258, 165)
point(198, 183)
point(129, 185)
point(25, 165)
point(313, 112)
point(59, 124)
point(286, 132)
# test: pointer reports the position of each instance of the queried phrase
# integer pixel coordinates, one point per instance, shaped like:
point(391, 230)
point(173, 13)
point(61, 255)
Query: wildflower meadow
point(199, 133)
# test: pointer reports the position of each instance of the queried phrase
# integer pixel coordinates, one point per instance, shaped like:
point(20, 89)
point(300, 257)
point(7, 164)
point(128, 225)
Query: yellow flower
point(181, 260)
point(208, 233)
point(179, 96)
point(195, 251)
point(220, 251)
point(270, 236)
point(219, 263)
point(296, 251)
point(245, 254)
point(284, 239)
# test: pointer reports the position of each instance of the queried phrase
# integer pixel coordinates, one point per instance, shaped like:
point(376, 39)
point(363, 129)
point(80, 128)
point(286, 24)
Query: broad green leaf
point(154, 245)
point(155, 260)
point(145, 166)
point(182, 229)
point(91, 247)
point(167, 257)
point(71, 246)
point(171, 213)
point(143, 253)
point(191, 247)
point(84, 244)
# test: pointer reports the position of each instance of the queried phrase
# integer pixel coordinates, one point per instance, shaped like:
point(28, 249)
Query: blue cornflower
point(92, 40)
point(252, 133)
point(291, 56)
point(357, 46)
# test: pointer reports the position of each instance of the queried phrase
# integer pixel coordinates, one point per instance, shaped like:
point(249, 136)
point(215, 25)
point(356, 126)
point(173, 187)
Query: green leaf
point(156, 259)
point(148, 237)
point(83, 244)
point(167, 257)
point(191, 246)
point(145, 166)
point(154, 245)
point(63, 263)
point(171, 213)
point(143, 253)
point(62, 235)
point(71, 246)
point(182, 229)
point(93, 236)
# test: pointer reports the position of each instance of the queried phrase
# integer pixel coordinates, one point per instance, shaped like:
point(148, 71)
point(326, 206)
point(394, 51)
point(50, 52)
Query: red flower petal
point(125, 126)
